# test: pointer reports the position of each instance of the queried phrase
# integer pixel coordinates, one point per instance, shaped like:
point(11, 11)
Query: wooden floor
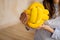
point(16, 32)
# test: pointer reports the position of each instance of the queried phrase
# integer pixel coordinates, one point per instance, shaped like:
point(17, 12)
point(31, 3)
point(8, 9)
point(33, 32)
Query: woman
point(50, 30)
point(52, 27)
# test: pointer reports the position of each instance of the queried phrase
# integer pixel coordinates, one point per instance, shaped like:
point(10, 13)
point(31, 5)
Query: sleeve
point(56, 34)
point(53, 23)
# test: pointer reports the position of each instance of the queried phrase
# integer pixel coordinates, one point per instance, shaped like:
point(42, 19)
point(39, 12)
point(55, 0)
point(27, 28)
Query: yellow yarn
point(37, 15)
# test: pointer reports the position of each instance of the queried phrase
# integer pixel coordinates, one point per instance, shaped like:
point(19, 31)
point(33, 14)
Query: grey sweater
point(42, 34)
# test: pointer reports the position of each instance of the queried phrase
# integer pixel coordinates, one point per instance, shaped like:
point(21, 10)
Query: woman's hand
point(24, 18)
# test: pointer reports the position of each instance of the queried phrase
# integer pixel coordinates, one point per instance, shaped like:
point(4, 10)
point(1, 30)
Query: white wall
point(10, 10)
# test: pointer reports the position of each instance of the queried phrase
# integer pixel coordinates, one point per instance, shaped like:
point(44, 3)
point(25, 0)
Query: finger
point(23, 17)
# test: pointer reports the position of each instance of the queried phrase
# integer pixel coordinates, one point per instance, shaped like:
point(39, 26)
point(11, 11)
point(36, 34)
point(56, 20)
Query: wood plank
point(16, 32)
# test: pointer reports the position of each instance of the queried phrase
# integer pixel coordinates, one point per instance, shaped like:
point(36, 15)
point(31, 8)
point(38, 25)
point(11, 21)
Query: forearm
point(48, 28)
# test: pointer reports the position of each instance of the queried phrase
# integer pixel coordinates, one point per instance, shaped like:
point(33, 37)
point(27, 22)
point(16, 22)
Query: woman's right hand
point(24, 18)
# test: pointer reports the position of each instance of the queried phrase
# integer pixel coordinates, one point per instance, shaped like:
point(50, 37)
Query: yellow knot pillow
point(37, 15)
